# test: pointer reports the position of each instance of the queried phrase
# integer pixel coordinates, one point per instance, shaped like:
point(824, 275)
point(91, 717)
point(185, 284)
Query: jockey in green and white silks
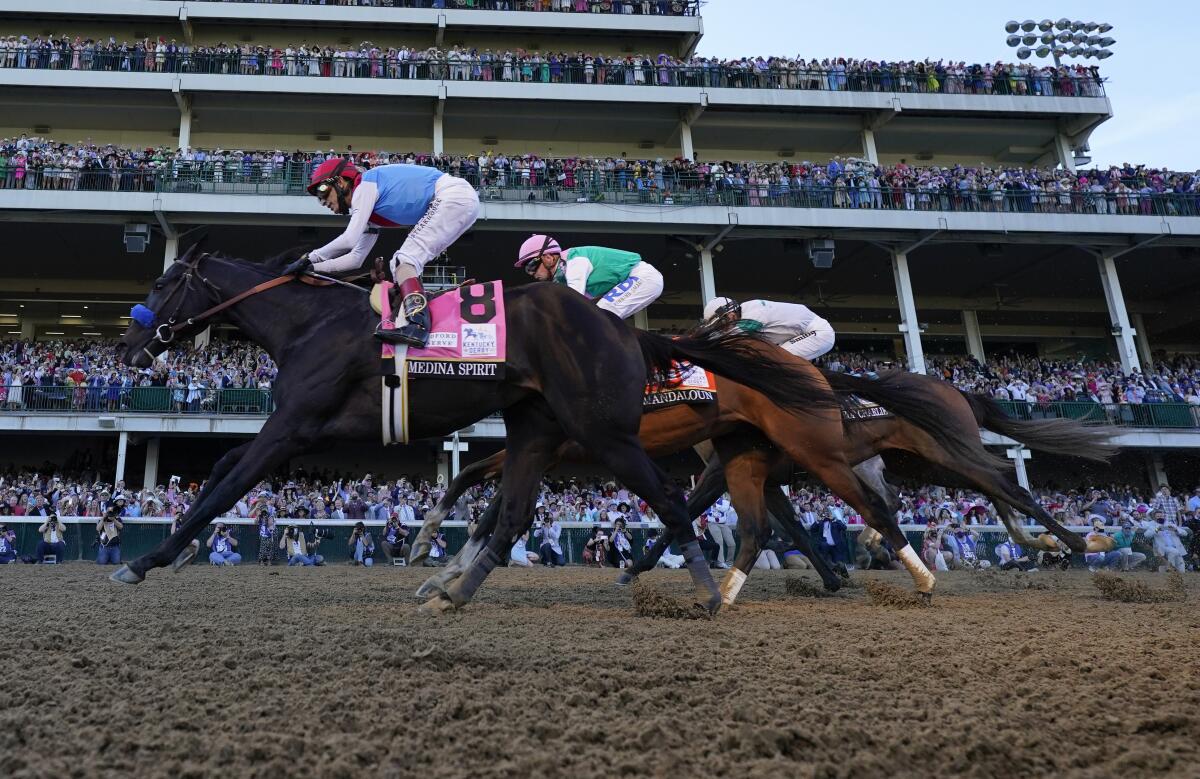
point(624, 281)
point(792, 326)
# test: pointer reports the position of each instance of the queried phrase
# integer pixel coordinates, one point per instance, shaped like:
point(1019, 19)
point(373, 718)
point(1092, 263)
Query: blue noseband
point(142, 315)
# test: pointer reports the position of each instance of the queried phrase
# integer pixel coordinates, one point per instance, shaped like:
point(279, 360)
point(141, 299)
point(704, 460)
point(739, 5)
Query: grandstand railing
point(671, 188)
point(82, 399)
point(616, 73)
point(1164, 415)
point(655, 7)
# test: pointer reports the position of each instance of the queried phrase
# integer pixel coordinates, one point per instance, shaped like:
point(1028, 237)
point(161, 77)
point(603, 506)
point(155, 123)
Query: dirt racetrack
point(330, 672)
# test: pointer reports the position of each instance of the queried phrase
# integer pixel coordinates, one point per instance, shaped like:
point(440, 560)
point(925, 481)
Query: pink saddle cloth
point(468, 336)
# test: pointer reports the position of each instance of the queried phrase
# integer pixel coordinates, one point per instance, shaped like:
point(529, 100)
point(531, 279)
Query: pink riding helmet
point(535, 246)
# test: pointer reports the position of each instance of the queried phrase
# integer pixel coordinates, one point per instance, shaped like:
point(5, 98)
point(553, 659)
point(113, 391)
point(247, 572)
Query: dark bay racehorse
point(572, 372)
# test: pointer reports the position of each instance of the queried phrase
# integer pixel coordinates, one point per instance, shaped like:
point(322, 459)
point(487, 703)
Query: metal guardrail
point(614, 72)
point(671, 188)
point(251, 401)
point(1161, 415)
point(637, 7)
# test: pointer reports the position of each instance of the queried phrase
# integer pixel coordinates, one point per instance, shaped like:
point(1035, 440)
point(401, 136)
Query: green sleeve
point(749, 326)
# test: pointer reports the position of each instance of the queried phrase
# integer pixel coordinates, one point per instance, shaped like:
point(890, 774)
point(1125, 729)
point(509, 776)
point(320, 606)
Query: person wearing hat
point(108, 527)
point(1167, 536)
point(1122, 539)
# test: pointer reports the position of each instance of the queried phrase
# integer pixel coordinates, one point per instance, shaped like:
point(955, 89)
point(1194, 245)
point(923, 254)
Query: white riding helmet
point(716, 304)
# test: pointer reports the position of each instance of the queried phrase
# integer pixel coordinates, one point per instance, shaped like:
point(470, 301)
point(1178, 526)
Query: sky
point(1155, 103)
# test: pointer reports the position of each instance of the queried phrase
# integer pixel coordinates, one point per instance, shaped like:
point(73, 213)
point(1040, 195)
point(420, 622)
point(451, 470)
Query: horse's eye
point(158, 285)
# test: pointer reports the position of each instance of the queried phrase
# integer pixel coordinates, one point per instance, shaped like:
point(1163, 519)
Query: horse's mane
point(278, 261)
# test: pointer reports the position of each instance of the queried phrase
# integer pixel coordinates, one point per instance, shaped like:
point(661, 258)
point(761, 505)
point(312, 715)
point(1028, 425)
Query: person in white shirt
point(792, 326)
point(551, 549)
point(1167, 536)
point(521, 555)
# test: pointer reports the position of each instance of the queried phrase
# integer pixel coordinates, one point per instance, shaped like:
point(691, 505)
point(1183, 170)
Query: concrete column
point(150, 475)
point(1122, 330)
point(685, 141)
point(28, 330)
point(708, 280)
point(1158, 474)
point(974, 339)
point(122, 449)
point(172, 251)
point(909, 326)
point(185, 128)
point(1143, 341)
point(439, 141)
point(868, 144)
point(1019, 454)
point(443, 467)
point(641, 320)
point(455, 447)
point(1064, 153)
point(202, 338)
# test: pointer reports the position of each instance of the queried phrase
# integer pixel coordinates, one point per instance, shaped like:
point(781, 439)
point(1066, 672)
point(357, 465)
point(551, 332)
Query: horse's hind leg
point(437, 583)
point(779, 510)
point(746, 472)
point(468, 477)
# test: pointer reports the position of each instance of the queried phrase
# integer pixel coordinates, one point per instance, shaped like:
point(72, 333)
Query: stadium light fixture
point(1062, 38)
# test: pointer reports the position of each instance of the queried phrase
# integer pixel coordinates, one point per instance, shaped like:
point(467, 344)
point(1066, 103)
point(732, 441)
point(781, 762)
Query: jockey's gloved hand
point(302, 265)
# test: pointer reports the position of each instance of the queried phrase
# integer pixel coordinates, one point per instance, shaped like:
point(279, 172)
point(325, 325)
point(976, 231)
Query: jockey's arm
point(577, 273)
point(348, 250)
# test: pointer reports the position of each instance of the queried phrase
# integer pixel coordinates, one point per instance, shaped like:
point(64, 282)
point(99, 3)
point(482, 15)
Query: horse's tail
point(917, 403)
point(1054, 436)
point(742, 358)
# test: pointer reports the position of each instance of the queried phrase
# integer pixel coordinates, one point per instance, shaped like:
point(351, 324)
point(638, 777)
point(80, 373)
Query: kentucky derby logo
point(479, 340)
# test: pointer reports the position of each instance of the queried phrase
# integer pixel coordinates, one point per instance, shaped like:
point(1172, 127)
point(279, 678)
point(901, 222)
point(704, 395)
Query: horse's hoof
point(832, 585)
point(711, 606)
point(185, 557)
point(926, 598)
point(418, 553)
point(625, 578)
point(126, 575)
point(436, 585)
point(435, 607)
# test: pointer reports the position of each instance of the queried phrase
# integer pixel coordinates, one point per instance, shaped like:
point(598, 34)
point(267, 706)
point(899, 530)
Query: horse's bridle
point(165, 333)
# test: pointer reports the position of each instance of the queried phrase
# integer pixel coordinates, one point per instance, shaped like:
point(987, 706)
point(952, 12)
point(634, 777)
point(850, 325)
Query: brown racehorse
point(814, 440)
point(934, 437)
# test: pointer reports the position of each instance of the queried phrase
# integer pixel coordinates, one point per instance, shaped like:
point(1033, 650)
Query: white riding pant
point(635, 293)
point(453, 210)
point(726, 544)
point(813, 342)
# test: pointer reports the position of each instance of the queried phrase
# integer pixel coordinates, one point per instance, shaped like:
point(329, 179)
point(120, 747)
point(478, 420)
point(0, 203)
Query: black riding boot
point(416, 311)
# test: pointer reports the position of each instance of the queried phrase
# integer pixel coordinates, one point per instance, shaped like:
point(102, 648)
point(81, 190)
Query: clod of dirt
point(1113, 587)
point(850, 584)
point(649, 602)
point(891, 596)
point(803, 588)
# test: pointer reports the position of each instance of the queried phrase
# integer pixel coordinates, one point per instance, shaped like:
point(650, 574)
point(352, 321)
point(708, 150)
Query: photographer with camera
point(222, 545)
point(296, 547)
point(595, 549)
point(620, 546)
point(108, 545)
point(362, 548)
point(549, 531)
point(53, 539)
point(8, 545)
point(264, 523)
point(521, 556)
point(395, 544)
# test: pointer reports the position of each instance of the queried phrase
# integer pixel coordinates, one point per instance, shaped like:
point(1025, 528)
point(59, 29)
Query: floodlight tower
point(1087, 39)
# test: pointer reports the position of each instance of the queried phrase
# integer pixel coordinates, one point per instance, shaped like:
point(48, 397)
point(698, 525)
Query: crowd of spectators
point(842, 182)
point(636, 7)
point(370, 60)
point(93, 378)
point(1041, 380)
point(1169, 525)
point(88, 375)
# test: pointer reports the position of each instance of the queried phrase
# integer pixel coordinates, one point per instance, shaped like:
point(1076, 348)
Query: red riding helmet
point(328, 172)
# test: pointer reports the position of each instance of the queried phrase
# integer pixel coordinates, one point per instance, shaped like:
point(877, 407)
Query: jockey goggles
point(321, 187)
point(531, 261)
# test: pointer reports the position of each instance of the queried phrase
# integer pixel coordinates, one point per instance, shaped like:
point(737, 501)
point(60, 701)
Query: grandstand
point(901, 270)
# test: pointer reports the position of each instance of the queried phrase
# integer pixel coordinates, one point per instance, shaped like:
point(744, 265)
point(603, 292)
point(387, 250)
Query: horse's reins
point(166, 332)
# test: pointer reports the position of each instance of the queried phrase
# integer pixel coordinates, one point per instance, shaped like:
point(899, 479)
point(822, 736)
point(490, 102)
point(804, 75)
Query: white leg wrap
point(731, 586)
point(922, 578)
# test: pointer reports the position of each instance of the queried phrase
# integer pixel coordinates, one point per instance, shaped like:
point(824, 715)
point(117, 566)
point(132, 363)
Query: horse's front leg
point(437, 583)
point(280, 439)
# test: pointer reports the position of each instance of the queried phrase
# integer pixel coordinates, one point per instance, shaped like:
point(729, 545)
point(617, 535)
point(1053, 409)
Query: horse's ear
point(191, 250)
